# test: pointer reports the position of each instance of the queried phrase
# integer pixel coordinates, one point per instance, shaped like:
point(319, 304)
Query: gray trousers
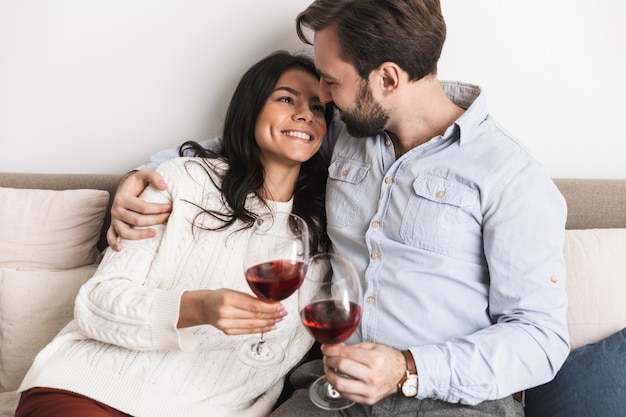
point(396, 405)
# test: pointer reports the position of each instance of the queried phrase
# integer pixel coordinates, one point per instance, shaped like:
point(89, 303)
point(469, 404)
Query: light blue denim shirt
point(459, 245)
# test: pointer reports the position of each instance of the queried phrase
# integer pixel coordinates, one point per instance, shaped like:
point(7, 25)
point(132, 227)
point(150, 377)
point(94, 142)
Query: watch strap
point(408, 384)
point(410, 362)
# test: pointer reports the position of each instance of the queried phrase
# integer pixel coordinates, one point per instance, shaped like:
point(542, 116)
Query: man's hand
point(129, 210)
point(375, 370)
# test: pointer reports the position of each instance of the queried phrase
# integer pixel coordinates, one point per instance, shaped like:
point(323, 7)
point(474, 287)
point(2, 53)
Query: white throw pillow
point(596, 283)
point(34, 306)
point(50, 229)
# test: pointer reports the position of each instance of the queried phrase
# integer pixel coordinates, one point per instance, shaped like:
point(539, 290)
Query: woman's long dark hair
point(245, 173)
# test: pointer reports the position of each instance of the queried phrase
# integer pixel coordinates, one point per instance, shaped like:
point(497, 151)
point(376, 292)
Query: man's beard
point(368, 118)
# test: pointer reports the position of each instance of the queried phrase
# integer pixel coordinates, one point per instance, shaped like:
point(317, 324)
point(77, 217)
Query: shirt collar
point(470, 98)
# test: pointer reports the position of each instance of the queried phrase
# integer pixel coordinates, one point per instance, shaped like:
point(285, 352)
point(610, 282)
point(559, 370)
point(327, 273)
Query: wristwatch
point(409, 382)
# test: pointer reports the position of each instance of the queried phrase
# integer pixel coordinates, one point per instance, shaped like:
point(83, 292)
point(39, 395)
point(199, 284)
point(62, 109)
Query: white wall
point(97, 86)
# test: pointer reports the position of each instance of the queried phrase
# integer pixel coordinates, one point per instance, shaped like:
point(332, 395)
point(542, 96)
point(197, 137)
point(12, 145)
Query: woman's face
point(290, 127)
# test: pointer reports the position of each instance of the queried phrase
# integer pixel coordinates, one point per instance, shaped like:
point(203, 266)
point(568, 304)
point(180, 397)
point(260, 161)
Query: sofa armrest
point(594, 203)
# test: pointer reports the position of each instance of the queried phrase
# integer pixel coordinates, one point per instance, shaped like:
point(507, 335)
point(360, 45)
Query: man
point(456, 231)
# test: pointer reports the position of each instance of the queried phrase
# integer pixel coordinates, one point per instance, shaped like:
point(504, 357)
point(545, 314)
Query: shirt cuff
point(431, 360)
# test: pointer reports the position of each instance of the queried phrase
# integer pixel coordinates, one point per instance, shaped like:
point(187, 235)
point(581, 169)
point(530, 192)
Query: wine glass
point(275, 263)
point(329, 301)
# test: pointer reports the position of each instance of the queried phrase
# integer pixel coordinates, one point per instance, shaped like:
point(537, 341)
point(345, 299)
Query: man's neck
point(426, 112)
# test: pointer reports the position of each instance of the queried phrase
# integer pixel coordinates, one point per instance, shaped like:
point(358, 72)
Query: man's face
point(341, 84)
point(367, 118)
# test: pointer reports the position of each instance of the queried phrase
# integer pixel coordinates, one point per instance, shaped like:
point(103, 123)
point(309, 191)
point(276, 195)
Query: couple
point(439, 208)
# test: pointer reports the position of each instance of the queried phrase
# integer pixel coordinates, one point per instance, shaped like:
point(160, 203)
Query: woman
point(155, 329)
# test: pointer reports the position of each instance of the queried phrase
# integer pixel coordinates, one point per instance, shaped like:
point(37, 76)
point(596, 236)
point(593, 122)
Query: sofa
point(53, 229)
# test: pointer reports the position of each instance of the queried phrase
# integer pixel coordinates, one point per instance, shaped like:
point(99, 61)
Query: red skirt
point(50, 402)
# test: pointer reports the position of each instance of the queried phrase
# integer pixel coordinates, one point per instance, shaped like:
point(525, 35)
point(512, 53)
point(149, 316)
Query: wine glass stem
point(259, 349)
point(331, 391)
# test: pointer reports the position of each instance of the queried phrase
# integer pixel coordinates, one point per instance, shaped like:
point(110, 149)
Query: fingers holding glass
point(330, 301)
point(275, 263)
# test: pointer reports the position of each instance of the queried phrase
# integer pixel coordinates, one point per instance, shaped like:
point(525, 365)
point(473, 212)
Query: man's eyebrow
point(321, 74)
point(327, 78)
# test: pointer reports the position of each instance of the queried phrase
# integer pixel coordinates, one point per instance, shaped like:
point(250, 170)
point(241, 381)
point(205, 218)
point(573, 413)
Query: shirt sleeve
point(213, 144)
point(523, 233)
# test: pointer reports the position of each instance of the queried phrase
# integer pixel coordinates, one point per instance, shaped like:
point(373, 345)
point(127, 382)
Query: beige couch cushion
point(34, 306)
point(596, 283)
point(7, 403)
point(47, 251)
point(50, 229)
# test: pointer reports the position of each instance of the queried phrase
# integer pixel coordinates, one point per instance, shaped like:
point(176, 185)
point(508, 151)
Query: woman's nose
point(305, 115)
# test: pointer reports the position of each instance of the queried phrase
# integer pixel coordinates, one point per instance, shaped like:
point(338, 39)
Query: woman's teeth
point(298, 135)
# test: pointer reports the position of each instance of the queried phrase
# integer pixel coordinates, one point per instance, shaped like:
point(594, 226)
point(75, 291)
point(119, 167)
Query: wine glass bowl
point(275, 262)
point(275, 280)
point(330, 300)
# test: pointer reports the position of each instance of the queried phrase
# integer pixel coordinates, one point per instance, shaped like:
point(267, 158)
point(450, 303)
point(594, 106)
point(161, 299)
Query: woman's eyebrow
point(288, 89)
point(296, 93)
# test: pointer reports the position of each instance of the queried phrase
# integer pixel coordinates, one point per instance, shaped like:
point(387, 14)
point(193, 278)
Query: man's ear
point(389, 74)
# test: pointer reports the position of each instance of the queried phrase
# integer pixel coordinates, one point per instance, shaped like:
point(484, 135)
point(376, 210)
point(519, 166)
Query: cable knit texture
point(123, 347)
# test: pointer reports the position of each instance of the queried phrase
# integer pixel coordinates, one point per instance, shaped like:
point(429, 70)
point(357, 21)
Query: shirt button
point(375, 255)
point(554, 279)
point(345, 172)
point(375, 224)
point(371, 300)
point(388, 142)
point(440, 194)
point(388, 180)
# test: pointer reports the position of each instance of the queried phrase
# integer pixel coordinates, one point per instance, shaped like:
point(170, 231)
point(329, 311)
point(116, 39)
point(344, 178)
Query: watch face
point(409, 388)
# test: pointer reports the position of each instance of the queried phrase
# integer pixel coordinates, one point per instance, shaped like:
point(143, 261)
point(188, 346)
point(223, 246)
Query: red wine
point(276, 280)
point(329, 321)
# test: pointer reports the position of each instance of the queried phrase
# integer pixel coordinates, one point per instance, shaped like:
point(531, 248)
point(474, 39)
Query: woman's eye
point(319, 108)
point(287, 100)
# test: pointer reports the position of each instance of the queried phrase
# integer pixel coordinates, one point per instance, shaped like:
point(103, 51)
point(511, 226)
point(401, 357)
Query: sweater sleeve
point(123, 303)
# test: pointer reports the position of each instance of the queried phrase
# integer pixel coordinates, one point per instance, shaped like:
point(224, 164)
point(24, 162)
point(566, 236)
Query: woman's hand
point(129, 210)
point(233, 312)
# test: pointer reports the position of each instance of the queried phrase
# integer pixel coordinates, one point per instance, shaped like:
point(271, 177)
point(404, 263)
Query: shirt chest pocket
point(346, 185)
point(442, 216)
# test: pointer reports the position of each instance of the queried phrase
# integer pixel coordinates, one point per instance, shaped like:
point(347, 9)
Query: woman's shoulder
point(192, 166)
point(198, 170)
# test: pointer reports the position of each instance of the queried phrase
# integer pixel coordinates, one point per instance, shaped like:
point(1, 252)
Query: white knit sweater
point(123, 347)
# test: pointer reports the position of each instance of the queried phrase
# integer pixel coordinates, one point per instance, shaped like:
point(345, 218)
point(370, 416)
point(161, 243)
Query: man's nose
point(324, 93)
